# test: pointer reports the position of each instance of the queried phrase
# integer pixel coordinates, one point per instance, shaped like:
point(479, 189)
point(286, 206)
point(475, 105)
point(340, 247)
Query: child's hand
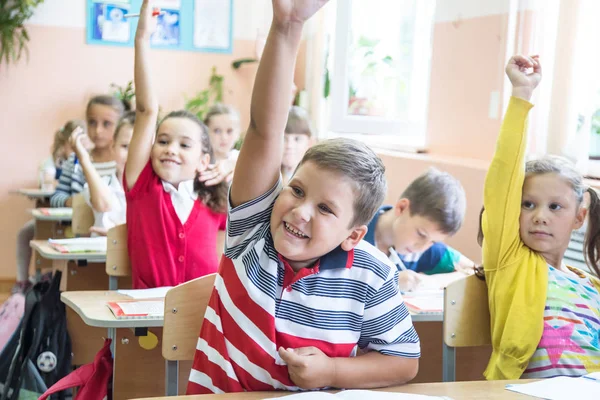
point(308, 367)
point(77, 142)
point(217, 173)
point(286, 11)
point(409, 280)
point(146, 23)
point(524, 82)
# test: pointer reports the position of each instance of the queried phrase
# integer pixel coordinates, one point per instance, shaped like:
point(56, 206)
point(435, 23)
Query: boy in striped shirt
point(298, 292)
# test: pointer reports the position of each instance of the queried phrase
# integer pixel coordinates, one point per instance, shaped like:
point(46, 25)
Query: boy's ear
point(357, 234)
point(402, 206)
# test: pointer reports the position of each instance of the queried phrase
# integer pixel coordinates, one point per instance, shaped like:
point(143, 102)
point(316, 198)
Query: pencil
point(396, 258)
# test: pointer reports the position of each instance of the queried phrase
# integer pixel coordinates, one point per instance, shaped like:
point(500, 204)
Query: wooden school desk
point(80, 271)
point(47, 227)
point(41, 197)
point(488, 390)
point(137, 372)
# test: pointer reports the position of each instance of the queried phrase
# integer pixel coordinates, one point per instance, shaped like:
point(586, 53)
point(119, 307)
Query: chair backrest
point(83, 216)
point(466, 313)
point(117, 255)
point(184, 312)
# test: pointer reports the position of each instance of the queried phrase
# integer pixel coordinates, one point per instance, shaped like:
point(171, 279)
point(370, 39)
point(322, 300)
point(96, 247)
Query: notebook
point(57, 211)
point(79, 245)
point(359, 395)
point(424, 303)
point(562, 388)
point(137, 309)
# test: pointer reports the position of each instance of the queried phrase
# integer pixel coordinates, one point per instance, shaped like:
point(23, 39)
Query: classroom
point(249, 199)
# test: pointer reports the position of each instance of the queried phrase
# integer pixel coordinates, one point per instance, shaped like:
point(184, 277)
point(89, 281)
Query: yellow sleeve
point(503, 188)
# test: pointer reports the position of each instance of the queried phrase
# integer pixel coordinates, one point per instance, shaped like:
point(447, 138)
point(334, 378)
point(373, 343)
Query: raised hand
point(525, 73)
point(147, 22)
point(77, 142)
point(286, 11)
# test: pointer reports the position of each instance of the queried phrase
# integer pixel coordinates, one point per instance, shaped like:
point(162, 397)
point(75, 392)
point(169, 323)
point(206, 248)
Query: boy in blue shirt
point(430, 210)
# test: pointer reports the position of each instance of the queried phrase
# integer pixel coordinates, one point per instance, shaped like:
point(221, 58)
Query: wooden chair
point(466, 320)
point(184, 312)
point(117, 256)
point(83, 216)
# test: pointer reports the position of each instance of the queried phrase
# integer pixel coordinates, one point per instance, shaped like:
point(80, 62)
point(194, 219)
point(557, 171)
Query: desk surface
point(37, 214)
point(489, 390)
point(91, 307)
point(46, 251)
point(36, 193)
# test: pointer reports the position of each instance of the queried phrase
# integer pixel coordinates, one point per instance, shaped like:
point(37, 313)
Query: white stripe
point(311, 333)
point(202, 379)
point(254, 370)
point(215, 357)
point(245, 324)
point(212, 316)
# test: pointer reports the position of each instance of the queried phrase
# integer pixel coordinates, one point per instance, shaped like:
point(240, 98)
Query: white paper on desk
point(359, 395)
point(560, 388)
point(154, 293)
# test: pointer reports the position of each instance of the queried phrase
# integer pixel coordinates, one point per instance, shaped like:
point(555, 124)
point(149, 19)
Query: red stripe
point(330, 349)
point(240, 298)
point(255, 354)
point(218, 376)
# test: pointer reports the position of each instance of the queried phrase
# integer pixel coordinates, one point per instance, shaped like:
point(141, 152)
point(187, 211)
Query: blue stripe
point(321, 319)
point(386, 292)
point(258, 276)
point(255, 201)
point(385, 322)
point(316, 285)
point(237, 227)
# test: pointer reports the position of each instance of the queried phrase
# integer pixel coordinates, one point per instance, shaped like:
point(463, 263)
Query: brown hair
point(215, 197)
point(127, 119)
point(362, 168)
point(439, 197)
point(220, 109)
point(298, 122)
point(61, 136)
point(117, 104)
point(566, 171)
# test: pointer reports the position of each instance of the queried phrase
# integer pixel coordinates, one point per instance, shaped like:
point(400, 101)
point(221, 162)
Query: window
point(380, 80)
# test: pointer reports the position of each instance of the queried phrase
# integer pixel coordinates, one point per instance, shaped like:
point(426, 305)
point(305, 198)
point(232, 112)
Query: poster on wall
point(213, 25)
point(108, 23)
point(168, 27)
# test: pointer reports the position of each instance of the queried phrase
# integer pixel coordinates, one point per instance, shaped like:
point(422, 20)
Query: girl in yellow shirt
point(545, 316)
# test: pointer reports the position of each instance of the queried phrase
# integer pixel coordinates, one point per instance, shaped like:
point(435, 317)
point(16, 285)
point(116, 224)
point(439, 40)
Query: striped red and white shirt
point(348, 300)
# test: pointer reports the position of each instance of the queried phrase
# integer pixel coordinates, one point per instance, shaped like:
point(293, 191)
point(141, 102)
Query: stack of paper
point(154, 293)
point(562, 388)
point(79, 245)
point(359, 395)
point(424, 302)
point(57, 212)
point(137, 309)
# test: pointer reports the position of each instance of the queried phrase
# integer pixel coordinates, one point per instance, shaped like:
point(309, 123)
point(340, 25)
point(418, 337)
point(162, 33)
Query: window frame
point(379, 131)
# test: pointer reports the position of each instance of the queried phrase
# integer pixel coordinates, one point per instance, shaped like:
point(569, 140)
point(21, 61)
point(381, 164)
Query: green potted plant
point(203, 100)
point(125, 93)
point(13, 34)
point(369, 63)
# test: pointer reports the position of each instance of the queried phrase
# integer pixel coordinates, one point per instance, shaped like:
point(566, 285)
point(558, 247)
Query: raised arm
point(506, 174)
point(258, 165)
point(100, 195)
point(145, 100)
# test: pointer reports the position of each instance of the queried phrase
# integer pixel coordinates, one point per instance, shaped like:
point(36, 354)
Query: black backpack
point(40, 354)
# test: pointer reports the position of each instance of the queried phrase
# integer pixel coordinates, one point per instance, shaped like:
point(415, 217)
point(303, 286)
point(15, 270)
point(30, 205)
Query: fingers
point(291, 358)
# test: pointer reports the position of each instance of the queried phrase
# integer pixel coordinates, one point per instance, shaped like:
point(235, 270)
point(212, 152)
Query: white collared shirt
point(183, 198)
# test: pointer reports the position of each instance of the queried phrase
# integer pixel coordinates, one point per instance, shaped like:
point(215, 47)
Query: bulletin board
point(186, 25)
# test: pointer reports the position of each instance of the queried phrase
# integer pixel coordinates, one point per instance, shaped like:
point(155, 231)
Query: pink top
point(163, 252)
